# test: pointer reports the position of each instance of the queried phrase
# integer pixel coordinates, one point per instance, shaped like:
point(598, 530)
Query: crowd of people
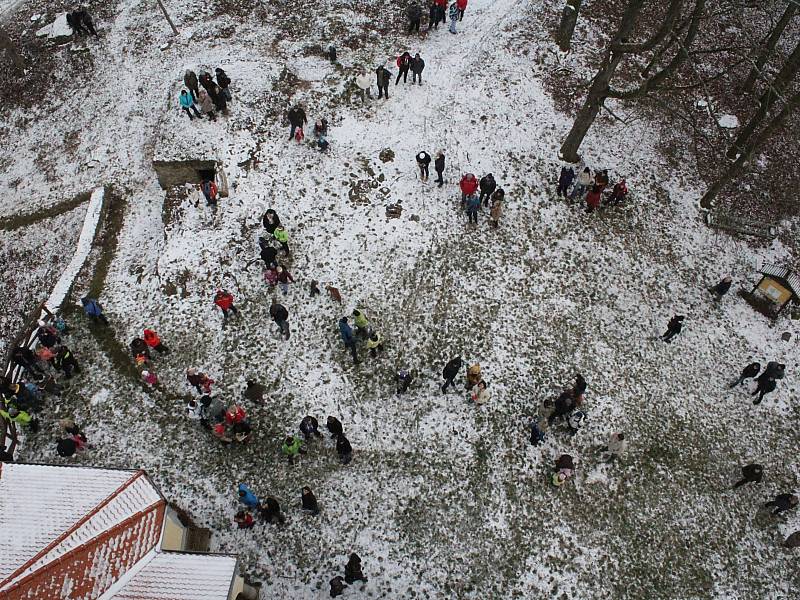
point(590, 189)
point(213, 98)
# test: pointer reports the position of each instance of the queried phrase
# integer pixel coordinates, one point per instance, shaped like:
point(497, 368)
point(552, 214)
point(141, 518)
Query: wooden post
point(166, 16)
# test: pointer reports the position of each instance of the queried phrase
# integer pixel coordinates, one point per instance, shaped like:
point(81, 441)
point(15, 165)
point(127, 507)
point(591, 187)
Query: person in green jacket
point(12, 413)
point(282, 237)
point(375, 344)
point(361, 322)
point(292, 446)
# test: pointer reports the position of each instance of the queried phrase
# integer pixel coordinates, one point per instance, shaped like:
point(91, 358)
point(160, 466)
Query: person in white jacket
point(364, 82)
point(581, 184)
point(479, 394)
point(617, 444)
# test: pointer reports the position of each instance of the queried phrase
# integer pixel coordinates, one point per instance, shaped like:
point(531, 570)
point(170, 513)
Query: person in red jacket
point(403, 65)
point(153, 341)
point(284, 278)
point(235, 414)
point(593, 198)
point(619, 193)
point(468, 185)
point(462, 6)
point(224, 299)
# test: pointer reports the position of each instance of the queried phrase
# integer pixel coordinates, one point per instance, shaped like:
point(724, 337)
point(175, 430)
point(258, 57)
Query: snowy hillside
point(443, 499)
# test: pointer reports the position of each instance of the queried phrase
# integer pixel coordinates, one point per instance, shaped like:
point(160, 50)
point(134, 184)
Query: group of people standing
point(436, 14)
point(213, 98)
point(584, 186)
point(490, 193)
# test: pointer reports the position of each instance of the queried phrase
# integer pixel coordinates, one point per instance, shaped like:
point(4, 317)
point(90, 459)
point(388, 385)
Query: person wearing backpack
point(403, 64)
point(453, 17)
point(209, 189)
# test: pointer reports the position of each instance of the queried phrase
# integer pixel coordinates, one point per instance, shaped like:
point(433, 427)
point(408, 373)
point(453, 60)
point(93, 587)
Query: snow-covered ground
point(442, 500)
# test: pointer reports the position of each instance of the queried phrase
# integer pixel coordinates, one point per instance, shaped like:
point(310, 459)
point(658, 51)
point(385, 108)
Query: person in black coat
point(309, 426)
point(673, 328)
point(403, 65)
point(271, 511)
point(337, 586)
point(309, 501)
point(563, 405)
point(423, 160)
point(433, 16)
point(450, 372)
point(223, 81)
point(352, 570)
point(722, 287)
point(751, 473)
point(384, 77)
point(782, 503)
point(414, 16)
point(438, 164)
point(488, 185)
point(580, 386)
point(138, 346)
point(773, 370)
point(207, 82)
point(417, 66)
point(334, 426)
point(48, 337)
point(25, 358)
point(344, 450)
point(271, 221)
point(765, 386)
point(269, 255)
point(748, 372)
point(297, 118)
point(565, 180)
point(280, 315)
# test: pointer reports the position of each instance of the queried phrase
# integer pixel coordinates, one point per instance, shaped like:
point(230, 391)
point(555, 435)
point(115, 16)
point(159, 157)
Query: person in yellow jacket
point(375, 344)
point(473, 375)
point(361, 322)
point(12, 413)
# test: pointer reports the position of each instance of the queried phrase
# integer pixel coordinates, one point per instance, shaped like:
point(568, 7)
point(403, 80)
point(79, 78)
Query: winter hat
point(191, 371)
point(13, 411)
point(41, 323)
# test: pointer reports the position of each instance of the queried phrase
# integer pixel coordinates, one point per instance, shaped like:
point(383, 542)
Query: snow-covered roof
point(178, 576)
point(48, 511)
point(791, 278)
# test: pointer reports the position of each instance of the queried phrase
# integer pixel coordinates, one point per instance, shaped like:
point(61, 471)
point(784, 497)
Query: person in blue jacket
point(93, 310)
point(348, 338)
point(473, 204)
point(187, 103)
point(247, 497)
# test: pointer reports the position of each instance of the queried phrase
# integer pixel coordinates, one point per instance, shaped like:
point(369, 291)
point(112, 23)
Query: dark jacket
point(268, 255)
point(414, 12)
point(383, 76)
point(23, 356)
point(190, 80)
point(343, 446)
point(452, 368)
point(297, 116)
point(334, 426)
point(309, 425)
point(488, 184)
point(424, 158)
point(278, 313)
point(564, 404)
point(773, 370)
point(753, 472)
point(722, 287)
point(222, 78)
point(751, 370)
point(276, 221)
point(138, 346)
point(352, 570)
point(417, 65)
point(404, 61)
point(567, 176)
point(310, 502)
point(676, 323)
point(438, 164)
point(580, 386)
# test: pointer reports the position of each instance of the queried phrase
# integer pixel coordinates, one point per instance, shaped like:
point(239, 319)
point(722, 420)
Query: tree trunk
point(599, 87)
point(755, 142)
point(569, 18)
point(772, 93)
point(766, 51)
point(16, 59)
point(167, 17)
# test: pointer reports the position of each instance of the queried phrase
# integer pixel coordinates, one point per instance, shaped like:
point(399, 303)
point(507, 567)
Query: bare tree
point(769, 47)
point(619, 47)
point(777, 88)
point(569, 18)
point(735, 168)
point(8, 46)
